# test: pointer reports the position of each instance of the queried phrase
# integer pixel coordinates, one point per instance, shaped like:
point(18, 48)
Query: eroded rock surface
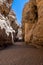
point(13, 20)
point(32, 22)
point(8, 23)
point(38, 31)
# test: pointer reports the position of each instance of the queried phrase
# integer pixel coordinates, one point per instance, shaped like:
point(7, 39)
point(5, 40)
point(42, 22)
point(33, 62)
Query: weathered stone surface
point(4, 39)
point(6, 31)
point(33, 22)
point(13, 20)
point(5, 6)
point(29, 19)
point(7, 23)
point(38, 31)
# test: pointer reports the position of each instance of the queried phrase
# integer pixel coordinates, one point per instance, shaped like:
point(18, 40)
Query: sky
point(18, 6)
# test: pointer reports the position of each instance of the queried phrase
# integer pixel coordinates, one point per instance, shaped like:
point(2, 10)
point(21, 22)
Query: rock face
point(38, 31)
point(32, 21)
point(7, 23)
point(19, 34)
point(29, 18)
point(13, 20)
point(5, 6)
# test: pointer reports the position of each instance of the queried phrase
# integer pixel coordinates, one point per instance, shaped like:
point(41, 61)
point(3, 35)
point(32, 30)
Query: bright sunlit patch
point(5, 24)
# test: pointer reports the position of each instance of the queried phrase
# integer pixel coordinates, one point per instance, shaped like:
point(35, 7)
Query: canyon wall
point(32, 22)
point(38, 31)
point(5, 6)
point(8, 23)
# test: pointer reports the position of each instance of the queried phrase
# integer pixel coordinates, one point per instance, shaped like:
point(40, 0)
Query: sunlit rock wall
point(8, 22)
point(13, 20)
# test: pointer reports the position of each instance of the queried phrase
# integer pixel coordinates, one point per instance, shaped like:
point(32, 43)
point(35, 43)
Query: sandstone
point(33, 22)
point(38, 31)
point(29, 19)
point(5, 6)
point(8, 23)
point(13, 20)
point(6, 31)
point(4, 39)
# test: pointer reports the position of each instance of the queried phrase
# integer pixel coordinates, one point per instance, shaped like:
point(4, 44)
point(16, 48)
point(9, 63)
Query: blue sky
point(18, 6)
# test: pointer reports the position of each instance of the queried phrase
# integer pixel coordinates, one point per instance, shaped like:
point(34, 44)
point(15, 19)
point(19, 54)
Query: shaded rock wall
point(32, 21)
point(38, 31)
point(29, 18)
point(4, 39)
